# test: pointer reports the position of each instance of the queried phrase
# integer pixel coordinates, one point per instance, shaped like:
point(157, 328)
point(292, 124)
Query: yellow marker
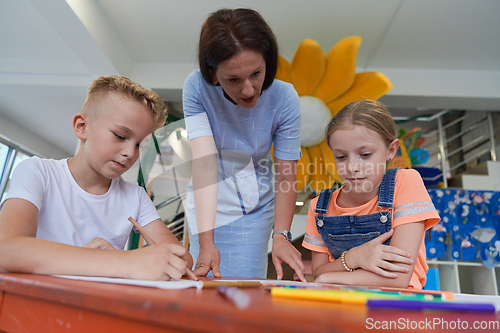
point(321, 295)
point(343, 296)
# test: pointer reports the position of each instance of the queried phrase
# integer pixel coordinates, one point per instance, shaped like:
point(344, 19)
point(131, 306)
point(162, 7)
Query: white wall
point(27, 139)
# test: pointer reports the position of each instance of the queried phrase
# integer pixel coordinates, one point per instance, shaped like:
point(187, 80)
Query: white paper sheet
point(182, 284)
point(173, 284)
point(470, 298)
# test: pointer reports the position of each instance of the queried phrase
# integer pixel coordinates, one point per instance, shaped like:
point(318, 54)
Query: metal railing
point(477, 140)
point(176, 224)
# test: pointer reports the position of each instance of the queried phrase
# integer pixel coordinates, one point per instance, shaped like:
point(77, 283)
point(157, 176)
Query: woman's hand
point(208, 260)
point(375, 257)
point(284, 251)
point(99, 243)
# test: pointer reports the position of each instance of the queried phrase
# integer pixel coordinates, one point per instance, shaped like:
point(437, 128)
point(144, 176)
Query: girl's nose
point(354, 166)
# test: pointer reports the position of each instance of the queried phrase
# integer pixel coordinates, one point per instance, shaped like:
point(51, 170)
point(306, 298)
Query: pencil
point(152, 240)
point(320, 295)
point(344, 296)
point(240, 298)
point(239, 284)
point(446, 295)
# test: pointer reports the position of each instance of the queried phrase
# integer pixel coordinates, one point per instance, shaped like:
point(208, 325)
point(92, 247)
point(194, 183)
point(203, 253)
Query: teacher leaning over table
point(235, 111)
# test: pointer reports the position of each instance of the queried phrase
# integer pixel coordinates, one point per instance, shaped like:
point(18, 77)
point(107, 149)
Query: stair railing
point(484, 143)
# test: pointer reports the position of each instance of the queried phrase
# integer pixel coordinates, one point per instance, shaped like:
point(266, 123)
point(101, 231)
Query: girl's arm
point(205, 203)
point(285, 198)
point(23, 252)
point(378, 264)
point(372, 254)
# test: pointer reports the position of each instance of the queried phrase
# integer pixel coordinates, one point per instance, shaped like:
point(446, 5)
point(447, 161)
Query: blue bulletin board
point(469, 228)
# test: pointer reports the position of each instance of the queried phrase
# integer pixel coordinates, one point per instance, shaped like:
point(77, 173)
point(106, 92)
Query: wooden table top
point(39, 303)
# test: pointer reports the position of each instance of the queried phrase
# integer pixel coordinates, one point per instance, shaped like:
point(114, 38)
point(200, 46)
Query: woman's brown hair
point(227, 32)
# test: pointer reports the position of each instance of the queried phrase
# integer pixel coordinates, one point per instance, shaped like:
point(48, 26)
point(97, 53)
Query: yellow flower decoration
point(325, 84)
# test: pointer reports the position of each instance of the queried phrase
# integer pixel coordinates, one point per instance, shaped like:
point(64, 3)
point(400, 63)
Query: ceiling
point(438, 54)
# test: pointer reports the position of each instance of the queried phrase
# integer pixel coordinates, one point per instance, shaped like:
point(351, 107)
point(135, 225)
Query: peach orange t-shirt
point(411, 204)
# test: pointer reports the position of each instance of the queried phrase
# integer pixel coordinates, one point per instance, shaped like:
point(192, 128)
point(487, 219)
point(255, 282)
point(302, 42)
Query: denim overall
point(341, 233)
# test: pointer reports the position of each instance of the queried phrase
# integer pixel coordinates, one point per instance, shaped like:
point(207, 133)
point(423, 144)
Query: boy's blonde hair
point(104, 85)
point(370, 114)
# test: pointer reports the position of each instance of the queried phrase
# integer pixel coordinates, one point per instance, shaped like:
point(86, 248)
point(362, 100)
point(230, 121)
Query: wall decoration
point(469, 229)
point(325, 84)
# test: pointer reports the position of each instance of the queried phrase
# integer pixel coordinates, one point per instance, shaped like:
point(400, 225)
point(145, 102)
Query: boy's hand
point(375, 257)
point(99, 243)
point(157, 262)
point(189, 260)
point(208, 260)
point(284, 251)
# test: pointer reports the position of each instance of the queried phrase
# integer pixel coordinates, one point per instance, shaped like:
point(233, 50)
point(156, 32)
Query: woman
point(234, 112)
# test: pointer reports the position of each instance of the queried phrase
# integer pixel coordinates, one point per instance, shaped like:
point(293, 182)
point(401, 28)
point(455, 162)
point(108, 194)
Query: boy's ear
point(393, 148)
point(80, 125)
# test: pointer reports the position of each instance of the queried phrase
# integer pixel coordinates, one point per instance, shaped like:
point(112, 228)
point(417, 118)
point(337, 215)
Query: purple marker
point(423, 305)
point(240, 298)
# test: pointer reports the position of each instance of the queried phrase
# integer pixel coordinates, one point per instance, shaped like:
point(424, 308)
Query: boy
point(59, 216)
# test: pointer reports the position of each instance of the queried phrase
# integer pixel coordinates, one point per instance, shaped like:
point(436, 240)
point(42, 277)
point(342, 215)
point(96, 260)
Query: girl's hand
point(99, 243)
point(374, 256)
point(284, 251)
point(156, 262)
point(208, 260)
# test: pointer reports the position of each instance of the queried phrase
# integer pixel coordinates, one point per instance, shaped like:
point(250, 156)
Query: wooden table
point(37, 303)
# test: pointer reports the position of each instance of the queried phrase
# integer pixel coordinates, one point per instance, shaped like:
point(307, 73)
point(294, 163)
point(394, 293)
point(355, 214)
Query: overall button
point(320, 223)
point(383, 218)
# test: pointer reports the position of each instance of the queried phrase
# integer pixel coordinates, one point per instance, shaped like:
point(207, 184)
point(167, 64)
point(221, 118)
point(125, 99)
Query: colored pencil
point(343, 296)
point(399, 295)
point(238, 297)
point(368, 291)
point(446, 295)
point(320, 295)
point(151, 240)
point(239, 284)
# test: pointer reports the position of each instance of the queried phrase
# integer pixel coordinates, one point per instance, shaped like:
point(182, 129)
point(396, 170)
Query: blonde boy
point(59, 215)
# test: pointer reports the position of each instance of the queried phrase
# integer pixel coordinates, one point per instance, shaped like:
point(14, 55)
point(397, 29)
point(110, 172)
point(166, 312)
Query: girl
point(375, 223)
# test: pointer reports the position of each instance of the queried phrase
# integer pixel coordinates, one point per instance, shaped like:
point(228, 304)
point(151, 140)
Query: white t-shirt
point(70, 215)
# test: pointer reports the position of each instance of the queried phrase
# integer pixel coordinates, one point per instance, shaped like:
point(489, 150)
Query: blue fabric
point(429, 175)
point(432, 282)
point(242, 231)
point(469, 228)
point(242, 245)
point(341, 233)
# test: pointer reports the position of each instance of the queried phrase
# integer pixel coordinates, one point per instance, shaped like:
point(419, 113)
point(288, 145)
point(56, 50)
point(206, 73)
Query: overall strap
point(386, 189)
point(323, 201)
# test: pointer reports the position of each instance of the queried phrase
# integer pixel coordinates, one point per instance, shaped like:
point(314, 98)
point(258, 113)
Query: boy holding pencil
point(60, 216)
